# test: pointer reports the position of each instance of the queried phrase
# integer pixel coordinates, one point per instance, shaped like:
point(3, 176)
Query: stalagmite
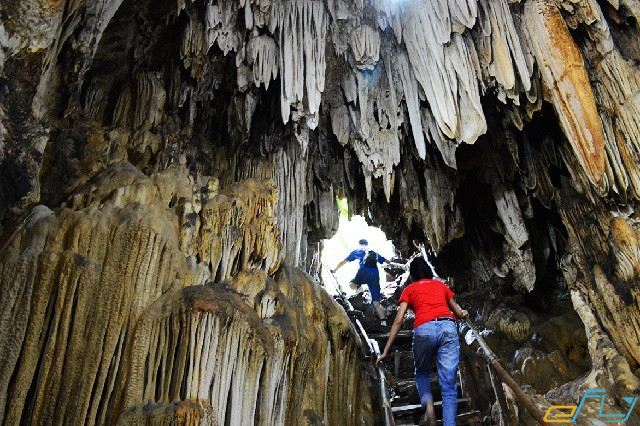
point(200, 343)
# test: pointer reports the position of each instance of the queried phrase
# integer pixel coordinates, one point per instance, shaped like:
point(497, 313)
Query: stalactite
point(302, 25)
point(141, 107)
point(365, 45)
point(262, 56)
point(427, 58)
point(506, 48)
point(445, 221)
point(446, 146)
point(288, 168)
point(413, 103)
point(565, 76)
point(618, 83)
point(389, 16)
point(192, 46)
point(241, 231)
point(340, 123)
point(221, 21)
point(471, 121)
point(445, 72)
point(378, 147)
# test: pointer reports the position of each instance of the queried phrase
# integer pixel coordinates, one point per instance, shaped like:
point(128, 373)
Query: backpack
point(370, 259)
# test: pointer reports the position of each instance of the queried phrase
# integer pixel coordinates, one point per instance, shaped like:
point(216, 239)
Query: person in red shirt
point(434, 333)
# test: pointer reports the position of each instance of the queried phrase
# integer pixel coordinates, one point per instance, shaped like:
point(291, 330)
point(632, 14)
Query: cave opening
point(351, 229)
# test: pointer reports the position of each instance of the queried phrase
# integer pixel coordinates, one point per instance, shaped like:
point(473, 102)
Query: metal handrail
point(492, 359)
point(374, 349)
point(488, 354)
point(384, 390)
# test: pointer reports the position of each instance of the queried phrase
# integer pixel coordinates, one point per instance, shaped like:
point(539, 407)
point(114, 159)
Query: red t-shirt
point(428, 300)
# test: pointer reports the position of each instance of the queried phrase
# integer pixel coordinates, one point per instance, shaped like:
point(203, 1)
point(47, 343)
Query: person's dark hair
point(419, 269)
point(363, 242)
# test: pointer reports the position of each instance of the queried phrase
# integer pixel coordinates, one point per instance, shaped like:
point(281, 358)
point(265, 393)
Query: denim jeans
point(439, 338)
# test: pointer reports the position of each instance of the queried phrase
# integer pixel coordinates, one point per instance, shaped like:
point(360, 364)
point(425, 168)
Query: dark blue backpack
point(370, 258)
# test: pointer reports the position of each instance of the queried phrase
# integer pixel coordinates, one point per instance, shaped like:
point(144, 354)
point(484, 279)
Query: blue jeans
point(439, 338)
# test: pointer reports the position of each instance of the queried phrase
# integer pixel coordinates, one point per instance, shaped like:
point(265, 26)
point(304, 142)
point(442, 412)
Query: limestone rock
point(563, 72)
point(110, 278)
point(146, 147)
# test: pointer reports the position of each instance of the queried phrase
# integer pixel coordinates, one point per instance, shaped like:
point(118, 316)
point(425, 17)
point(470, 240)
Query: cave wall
point(503, 132)
point(113, 315)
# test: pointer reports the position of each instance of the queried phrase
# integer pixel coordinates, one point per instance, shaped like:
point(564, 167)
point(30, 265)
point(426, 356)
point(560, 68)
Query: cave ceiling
point(505, 133)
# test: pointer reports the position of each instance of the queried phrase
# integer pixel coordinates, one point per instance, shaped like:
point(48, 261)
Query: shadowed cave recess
point(169, 168)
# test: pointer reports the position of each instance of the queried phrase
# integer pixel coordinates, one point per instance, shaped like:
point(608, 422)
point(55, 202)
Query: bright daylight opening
point(350, 231)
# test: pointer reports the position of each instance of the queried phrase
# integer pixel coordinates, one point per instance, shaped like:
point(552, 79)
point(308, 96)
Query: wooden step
point(406, 392)
point(411, 382)
point(467, 418)
point(463, 419)
point(409, 410)
point(410, 396)
point(403, 336)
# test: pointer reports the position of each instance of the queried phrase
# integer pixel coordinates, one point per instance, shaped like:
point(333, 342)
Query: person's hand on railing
point(381, 358)
point(465, 314)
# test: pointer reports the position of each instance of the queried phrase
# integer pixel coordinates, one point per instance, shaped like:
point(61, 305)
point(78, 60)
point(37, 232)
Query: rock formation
point(165, 167)
point(109, 319)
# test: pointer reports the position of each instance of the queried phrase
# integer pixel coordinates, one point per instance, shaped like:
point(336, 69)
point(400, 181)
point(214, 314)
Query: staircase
point(405, 402)
point(405, 407)
point(400, 403)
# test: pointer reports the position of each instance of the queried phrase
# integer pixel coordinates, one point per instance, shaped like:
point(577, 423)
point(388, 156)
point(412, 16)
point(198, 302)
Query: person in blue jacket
point(367, 274)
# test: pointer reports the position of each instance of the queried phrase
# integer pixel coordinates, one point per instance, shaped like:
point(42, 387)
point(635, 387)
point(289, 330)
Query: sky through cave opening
point(350, 231)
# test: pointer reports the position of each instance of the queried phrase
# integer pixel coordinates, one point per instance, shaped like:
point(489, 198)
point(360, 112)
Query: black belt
point(443, 319)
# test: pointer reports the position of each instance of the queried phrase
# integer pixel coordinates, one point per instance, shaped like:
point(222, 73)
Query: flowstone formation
point(504, 132)
point(113, 315)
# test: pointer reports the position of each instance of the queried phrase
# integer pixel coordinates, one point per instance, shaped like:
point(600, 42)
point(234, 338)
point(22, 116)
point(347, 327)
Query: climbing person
point(367, 274)
point(434, 333)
